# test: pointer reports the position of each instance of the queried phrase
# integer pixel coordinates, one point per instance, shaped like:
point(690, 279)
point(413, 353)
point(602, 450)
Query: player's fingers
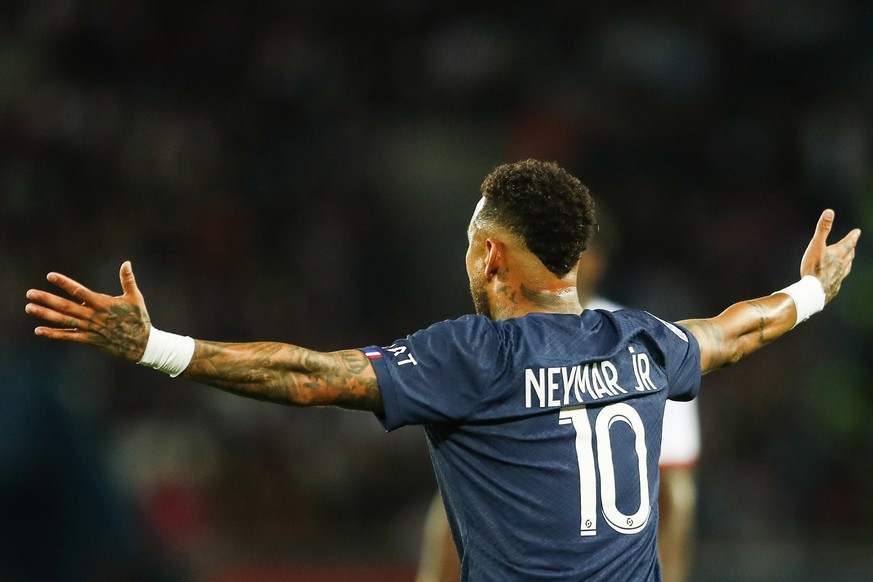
point(72, 335)
point(824, 225)
point(74, 288)
point(128, 281)
point(59, 304)
point(850, 241)
point(52, 316)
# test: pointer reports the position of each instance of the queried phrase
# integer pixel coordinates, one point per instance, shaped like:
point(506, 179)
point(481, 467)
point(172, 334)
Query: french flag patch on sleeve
point(373, 354)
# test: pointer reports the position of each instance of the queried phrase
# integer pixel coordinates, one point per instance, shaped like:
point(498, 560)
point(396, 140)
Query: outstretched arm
point(287, 374)
point(749, 325)
point(278, 372)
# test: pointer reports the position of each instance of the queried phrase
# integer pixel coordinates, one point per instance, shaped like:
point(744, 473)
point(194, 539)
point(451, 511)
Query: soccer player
point(680, 449)
point(543, 421)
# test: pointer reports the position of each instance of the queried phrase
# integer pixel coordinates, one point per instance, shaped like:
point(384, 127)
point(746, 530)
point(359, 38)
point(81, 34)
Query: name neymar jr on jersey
point(585, 383)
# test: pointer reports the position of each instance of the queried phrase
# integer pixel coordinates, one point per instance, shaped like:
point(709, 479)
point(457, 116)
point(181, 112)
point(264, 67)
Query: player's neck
point(518, 298)
point(522, 284)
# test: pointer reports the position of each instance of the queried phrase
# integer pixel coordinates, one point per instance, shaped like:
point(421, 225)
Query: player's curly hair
point(543, 204)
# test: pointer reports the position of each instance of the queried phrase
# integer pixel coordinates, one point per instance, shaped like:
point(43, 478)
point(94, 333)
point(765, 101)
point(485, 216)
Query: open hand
point(830, 263)
point(117, 325)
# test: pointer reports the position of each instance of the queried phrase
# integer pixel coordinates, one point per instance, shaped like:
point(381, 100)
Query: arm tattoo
point(738, 331)
point(288, 374)
point(762, 320)
point(712, 343)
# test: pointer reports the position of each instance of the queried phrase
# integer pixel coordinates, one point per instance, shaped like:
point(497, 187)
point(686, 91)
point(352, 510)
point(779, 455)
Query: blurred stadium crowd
point(304, 172)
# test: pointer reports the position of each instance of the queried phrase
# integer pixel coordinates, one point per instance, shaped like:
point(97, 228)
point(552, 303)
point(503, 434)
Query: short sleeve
point(438, 374)
point(683, 367)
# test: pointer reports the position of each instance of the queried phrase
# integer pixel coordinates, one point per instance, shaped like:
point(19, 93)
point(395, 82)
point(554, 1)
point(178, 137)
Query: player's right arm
point(287, 374)
point(750, 325)
point(278, 372)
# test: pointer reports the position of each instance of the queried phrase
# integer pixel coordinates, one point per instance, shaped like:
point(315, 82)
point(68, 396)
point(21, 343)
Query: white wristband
point(167, 352)
point(808, 295)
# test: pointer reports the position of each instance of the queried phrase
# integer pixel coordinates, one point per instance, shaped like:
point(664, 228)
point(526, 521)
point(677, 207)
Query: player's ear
point(495, 255)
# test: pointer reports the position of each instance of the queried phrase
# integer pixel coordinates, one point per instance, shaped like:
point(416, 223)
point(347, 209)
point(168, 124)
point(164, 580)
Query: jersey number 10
point(588, 489)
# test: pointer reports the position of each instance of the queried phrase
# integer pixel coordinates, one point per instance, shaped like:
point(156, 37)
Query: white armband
point(167, 352)
point(808, 295)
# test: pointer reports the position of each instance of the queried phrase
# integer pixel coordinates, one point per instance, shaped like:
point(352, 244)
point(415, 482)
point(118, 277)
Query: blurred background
point(305, 171)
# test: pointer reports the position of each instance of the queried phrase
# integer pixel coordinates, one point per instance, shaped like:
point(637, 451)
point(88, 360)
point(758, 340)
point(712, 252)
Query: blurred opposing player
point(680, 449)
point(543, 425)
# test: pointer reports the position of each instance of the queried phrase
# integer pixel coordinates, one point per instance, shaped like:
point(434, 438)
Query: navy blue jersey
point(544, 432)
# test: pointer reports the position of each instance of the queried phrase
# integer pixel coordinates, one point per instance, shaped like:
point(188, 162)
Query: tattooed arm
point(749, 325)
point(741, 329)
point(277, 372)
point(287, 374)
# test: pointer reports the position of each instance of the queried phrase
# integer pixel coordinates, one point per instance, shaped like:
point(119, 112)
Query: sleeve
point(684, 367)
point(438, 374)
point(682, 360)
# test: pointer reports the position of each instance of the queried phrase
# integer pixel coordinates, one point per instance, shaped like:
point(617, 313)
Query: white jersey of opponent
point(680, 444)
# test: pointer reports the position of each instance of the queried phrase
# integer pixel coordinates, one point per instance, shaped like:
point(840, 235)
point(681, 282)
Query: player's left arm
point(273, 371)
point(750, 325)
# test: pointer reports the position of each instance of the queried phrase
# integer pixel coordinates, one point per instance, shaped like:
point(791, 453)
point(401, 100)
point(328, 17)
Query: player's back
point(545, 432)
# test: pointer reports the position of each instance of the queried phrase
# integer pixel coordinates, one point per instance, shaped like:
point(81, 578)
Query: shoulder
point(463, 327)
point(466, 334)
point(637, 318)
